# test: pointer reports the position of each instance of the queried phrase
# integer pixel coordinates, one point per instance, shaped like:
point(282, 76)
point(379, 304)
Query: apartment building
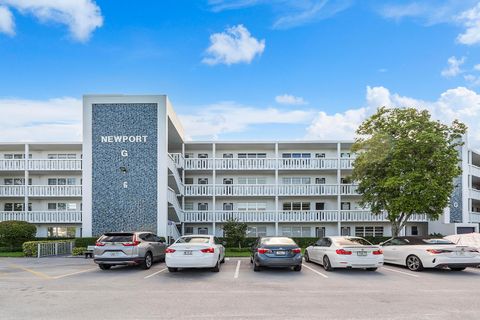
point(135, 170)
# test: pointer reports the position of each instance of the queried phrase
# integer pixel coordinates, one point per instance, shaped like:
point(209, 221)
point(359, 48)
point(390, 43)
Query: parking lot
point(75, 288)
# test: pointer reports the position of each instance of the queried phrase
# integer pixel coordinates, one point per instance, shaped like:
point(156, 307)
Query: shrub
point(78, 251)
point(85, 242)
point(14, 233)
point(30, 247)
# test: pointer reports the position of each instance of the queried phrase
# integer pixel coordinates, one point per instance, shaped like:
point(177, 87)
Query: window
point(345, 155)
point(61, 181)
point(296, 180)
point(187, 156)
point(252, 155)
point(52, 206)
point(246, 206)
point(61, 156)
point(296, 155)
point(18, 207)
point(61, 232)
point(319, 155)
point(296, 206)
point(71, 206)
point(16, 181)
point(203, 155)
point(203, 206)
point(52, 156)
point(369, 231)
point(345, 180)
point(260, 231)
point(414, 231)
point(52, 182)
point(345, 205)
point(188, 180)
point(252, 180)
point(227, 180)
point(8, 156)
point(319, 205)
point(188, 206)
point(8, 207)
point(320, 180)
point(71, 181)
point(319, 232)
point(228, 206)
point(188, 230)
point(202, 231)
point(228, 155)
point(345, 231)
point(296, 231)
point(8, 182)
point(202, 180)
point(61, 206)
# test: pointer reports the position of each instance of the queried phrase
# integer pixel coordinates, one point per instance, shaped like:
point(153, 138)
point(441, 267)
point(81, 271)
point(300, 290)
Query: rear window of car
point(117, 237)
point(275, 241)
point(194, 240)
point(423, 241)
point(436, 241)
point(352, 242)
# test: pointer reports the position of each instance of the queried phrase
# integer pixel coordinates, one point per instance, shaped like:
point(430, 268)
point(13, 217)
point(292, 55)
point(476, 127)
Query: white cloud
point(290, 100)
point(457, 103)
point(7, 25)
point(41, 120)
point(228, 117)
point(235, 45)
point(476, 67)
point(471, 20)
point(81, 16)
point(453, 68)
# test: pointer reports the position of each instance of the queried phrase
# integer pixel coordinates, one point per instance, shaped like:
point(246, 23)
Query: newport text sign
point(113, 139)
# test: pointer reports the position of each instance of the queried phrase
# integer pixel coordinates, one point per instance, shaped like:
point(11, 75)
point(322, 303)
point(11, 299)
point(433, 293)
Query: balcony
point(41, 165)
point(243, 190)
point(245, 164)
point(307, 189)
point(346, 163)
point(198, 163)
point(261, 190)
point(41, 191)
point(474, 194)
point(349, 189)
point(474, 217)
point(308, 163)
point(42, 216)
point(475, 171)
point(308, 216)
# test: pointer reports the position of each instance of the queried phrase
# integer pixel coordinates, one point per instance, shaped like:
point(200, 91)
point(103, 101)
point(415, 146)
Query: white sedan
point(345, 252)
point(417, 253)
point(195, 251)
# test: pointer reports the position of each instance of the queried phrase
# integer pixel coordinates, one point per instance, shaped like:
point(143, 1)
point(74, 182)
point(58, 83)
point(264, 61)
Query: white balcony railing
point(475, 194)
point(199, 190)
point(349, 189)
point(245, 164)
point(474, 217)
point(475, 171)
point(245, 190)
point(346, 163)
point(12, 165)
point(307, 189)
point(308, 163)
point(173, 200)
point(291, 216)
point(172, 166)
point(42, 164)
point(12, 191)
point(177, 158)
point(42, 216)
point(198, 163)
point(55, 191)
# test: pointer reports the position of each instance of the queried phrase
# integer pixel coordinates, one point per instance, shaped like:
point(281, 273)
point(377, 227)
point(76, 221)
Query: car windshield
point(435, 241)
point(277, 241)
point(352, 242)
point(118, 237)
point(193, 240)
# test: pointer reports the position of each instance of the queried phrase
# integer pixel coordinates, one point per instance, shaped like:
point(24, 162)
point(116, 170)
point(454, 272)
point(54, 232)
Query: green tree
point(406, 163)
point(14, 233)
point(234, 232)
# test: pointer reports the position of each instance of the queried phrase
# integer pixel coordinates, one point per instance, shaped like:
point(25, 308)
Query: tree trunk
point(398, 224)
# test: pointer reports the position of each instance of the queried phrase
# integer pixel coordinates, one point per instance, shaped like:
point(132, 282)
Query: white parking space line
point(237, 270)
point(227, 259)
point(402, 272)
point(74, 273)
point(317, 272)
point(155, 273)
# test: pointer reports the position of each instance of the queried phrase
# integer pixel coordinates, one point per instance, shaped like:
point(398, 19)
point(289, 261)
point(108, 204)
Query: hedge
point(85, 242)
point(302, 242)
point(78, 251)
point(30, 247)
point(14, 233)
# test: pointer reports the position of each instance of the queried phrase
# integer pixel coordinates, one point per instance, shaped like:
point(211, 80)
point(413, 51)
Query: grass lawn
point(232, 254)
point(11, 254)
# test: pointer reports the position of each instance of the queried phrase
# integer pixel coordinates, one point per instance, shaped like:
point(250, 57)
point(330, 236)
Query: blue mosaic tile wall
point(456, 199)
point(114, 207)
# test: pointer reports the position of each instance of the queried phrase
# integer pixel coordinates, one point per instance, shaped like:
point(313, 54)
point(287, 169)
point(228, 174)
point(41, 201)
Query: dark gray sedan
point(276, 252)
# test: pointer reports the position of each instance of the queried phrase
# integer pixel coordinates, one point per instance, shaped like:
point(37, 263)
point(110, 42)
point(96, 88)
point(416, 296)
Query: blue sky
point(239, 69)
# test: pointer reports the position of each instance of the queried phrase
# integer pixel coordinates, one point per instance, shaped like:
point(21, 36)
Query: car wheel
point(216, 268)
point(457, 269)
point(172, 269)
point(414, 263)
point(147, 262)
point(251, 259)
point(223, 260)
point(104, 266)
point(297, 268)
point(256, 267)
point(371, 269)
point(307, 258)
point(326, 264)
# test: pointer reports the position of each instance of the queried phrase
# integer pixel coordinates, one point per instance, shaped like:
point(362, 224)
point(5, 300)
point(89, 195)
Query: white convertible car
point(195, 251)
point(417, 253)
point(345, 252)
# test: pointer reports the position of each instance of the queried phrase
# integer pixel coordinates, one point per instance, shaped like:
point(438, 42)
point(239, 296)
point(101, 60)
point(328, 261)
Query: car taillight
point(135, 242)
point(169, 250)
point(343, 252)
point(435, 251)
point(99, 244)
point(263, 250)
point(377, 252)
point(297, 250)
point(208, 250)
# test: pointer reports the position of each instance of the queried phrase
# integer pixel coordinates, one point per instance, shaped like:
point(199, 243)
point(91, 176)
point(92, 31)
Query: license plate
point(280, 253)
point(114, 254)
point(187, 252)
point(361, 253)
